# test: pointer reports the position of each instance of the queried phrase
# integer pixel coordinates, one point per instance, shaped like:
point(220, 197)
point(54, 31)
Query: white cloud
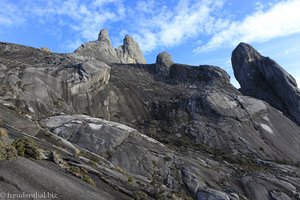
point(10, 14)
point(157, 24)
point(84, 17)
point(289, 51)
point(259, 5)
point(172, 25)
point(147, 40)
point(72, 44)
point(146, 6)
point(281, 19)
point(152, 23)
point(100, 3)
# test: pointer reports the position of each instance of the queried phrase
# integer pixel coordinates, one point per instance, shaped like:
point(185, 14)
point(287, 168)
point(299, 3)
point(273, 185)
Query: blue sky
point(192, 31)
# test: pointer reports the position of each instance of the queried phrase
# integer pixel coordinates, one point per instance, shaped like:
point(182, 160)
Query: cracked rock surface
point(110, 126)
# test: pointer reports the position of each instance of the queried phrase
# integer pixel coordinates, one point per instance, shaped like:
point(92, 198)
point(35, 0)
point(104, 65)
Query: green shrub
point(130, 179)
point(119, 169)
point(11, 153)
point(27, 148)
point(75, 170)
point(139, 195)
point(7, 152)
point(89, 180)
point(82, 174)
point(93, 163)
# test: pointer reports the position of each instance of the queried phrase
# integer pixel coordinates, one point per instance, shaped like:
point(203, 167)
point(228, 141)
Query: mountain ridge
point(123, 130)
point(128, 52)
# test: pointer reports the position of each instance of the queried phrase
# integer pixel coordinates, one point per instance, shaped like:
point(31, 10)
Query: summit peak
point(103, 50)
point(103, 36)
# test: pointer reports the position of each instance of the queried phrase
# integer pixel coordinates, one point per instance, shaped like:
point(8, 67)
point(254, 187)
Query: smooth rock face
point(263, 78)
point(25, 175)
point(260, 186)
point(123, 145)
point(212, 195)
point(54, 84)
point(103, 50)
point(187, 133)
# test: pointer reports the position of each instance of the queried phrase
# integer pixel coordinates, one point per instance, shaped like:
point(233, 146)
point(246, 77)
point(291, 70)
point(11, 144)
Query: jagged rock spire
point(103, 36)
point(131, 52)
point(128, 40)
point(103, 50)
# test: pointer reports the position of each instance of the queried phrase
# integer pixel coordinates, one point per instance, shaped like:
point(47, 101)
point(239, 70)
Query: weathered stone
point(103, 50)
point(190, 180)
point(103, 36)
point(30, 176)
point(210, 194)
point(262, 78)
point(187, 134)
point(163, 64)
point(122, 145)
point(130, 52)
point(277, 195)
point(58, 160)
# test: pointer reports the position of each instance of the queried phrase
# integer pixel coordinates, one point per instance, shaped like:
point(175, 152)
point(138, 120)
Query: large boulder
point(163, 64)
point(120, 144)
point(262, 78)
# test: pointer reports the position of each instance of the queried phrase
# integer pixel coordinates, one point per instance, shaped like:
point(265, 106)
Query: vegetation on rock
point(3, 133)
point(27, 148)
point(7, 152)
point(82, 174)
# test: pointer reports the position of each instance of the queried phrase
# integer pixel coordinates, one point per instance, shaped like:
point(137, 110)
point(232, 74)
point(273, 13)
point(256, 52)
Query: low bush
point(82, 174)
point(130, 179)
point(7, 152)
point(27, 148)
point(139, 195)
